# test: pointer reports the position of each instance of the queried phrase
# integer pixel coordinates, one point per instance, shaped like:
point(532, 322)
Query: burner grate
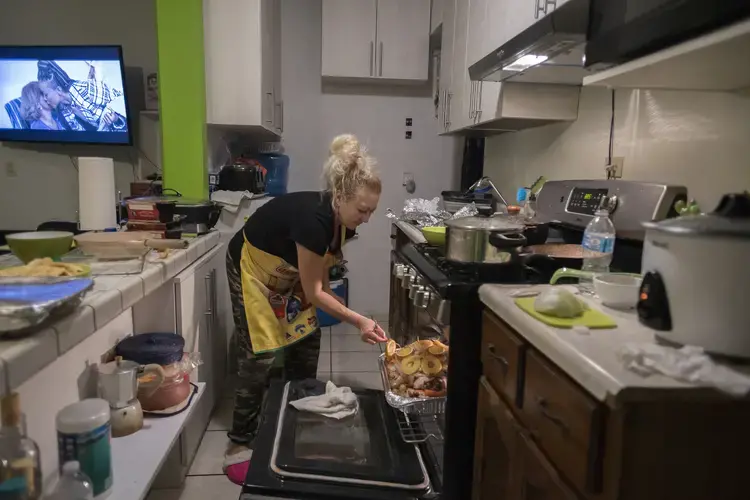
point(500, 272)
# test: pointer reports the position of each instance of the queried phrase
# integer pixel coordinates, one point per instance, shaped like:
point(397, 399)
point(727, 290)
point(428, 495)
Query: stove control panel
point(574, 203)
point(586, 200)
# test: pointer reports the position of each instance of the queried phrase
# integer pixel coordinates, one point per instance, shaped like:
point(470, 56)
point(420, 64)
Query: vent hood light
point(525, 62)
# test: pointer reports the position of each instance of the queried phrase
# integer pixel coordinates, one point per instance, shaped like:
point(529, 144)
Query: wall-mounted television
point(63, 94)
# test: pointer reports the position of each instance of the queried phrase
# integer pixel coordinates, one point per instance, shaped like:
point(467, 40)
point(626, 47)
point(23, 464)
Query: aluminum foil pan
point(411, 406)
point(28, 302)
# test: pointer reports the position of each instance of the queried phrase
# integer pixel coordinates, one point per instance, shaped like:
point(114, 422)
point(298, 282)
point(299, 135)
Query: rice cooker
point(696, 271)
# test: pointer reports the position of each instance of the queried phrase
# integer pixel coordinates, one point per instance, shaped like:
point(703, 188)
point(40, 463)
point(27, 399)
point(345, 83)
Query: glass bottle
point(20, 471)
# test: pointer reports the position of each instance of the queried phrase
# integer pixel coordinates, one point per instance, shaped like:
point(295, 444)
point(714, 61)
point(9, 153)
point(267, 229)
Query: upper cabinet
point(242, 46)
point(376, 39)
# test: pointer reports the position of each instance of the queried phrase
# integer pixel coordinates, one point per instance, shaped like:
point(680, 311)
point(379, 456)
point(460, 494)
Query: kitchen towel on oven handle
point(337, 402)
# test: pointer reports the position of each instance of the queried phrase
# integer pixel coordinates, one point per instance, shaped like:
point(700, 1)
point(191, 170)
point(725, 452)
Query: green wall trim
point(182, 96)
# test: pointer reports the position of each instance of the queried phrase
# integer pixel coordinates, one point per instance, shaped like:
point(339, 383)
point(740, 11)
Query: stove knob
point(414, 290)
point(609, 203)
point(422, 299)
point(398, 270)
point(406, 281)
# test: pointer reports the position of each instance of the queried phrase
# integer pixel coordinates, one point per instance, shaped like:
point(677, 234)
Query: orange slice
point(390, 349)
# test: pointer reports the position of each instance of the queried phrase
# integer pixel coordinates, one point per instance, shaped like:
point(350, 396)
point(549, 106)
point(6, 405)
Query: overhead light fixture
point(525, 62)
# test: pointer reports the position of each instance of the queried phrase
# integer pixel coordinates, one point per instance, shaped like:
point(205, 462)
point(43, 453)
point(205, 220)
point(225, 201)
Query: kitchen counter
point(589, 359)
point(21, 359)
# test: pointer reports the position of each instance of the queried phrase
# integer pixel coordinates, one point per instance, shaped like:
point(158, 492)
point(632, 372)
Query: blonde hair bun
point(349, 167)
point(346, 148)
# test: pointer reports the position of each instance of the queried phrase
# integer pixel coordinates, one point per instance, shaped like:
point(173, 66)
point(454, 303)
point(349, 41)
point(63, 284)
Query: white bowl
point(618, 290)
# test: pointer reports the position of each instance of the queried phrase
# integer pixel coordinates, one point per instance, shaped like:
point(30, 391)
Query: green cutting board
point(591, 318)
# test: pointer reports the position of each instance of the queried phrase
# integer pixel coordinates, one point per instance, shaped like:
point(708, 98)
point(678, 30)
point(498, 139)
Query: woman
point(277, 267)
point(37, 110)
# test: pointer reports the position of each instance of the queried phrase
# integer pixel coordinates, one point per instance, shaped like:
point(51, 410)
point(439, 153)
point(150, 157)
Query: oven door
point(622, 30)
point(299, 455)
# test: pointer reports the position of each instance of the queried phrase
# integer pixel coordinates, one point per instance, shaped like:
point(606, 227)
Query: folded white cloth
point(688, 364)
point(231, 200)
point(337, 402)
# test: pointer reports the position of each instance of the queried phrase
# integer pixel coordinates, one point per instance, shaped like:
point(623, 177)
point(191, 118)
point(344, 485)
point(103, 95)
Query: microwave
point(623, 30)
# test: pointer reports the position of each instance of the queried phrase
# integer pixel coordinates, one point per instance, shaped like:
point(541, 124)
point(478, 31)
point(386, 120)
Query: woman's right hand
point(370, 332)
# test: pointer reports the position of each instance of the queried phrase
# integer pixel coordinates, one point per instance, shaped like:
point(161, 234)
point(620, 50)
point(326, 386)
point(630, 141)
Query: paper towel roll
point(96, 193)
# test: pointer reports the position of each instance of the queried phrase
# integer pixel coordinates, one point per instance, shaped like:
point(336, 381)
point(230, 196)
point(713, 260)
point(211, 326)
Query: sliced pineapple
point(411, 365)
point(405, 351)
point(390, 349)
point(431, 365)
point(422, 345)
point(437, 350)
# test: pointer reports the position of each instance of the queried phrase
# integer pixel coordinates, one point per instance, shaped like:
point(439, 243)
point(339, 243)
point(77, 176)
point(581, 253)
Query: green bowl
point(38, 244)
point(434, 235)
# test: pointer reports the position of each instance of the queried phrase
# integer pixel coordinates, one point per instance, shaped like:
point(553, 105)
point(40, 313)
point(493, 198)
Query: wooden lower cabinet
point(507, 465)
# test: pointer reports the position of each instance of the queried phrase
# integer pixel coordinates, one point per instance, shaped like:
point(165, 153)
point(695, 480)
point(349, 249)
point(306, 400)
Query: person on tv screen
point(37, 110)
point(88, 100)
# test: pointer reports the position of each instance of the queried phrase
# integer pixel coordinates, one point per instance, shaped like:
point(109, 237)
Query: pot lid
point(146, 348)
point(118, 367)
point(730, 219)
point(484, 223)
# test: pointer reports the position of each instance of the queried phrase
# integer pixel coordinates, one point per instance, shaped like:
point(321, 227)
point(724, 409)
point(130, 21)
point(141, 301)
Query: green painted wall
point(182, 96)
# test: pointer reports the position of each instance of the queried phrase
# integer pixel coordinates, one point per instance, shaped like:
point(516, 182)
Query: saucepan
point(616, 290)
point(482, 239)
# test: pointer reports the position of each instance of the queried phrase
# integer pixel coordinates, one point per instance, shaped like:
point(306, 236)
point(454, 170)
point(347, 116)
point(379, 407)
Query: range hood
point(549, 51)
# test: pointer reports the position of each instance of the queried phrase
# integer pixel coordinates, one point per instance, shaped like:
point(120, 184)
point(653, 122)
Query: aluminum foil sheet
point(28, 302)
point(428, 213)
point(412, 406)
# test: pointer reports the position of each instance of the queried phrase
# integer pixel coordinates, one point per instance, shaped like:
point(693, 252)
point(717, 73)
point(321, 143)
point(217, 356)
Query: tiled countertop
point(590, 359)
point(21, 359)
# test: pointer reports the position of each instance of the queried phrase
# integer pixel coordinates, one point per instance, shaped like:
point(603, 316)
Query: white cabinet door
point(460, 84)
point(349, 38)
point(446, 62)
point(278, 99)
point(479, 27)
point(436, 15)
point(239, 62)
point(403, 39)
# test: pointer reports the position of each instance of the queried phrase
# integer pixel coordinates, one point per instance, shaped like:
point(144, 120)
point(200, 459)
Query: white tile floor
point(344, 359)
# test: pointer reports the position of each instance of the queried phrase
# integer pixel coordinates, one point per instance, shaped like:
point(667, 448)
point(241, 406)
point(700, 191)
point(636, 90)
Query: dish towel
point(231, 200)
point(688, 364)
point(337, 402)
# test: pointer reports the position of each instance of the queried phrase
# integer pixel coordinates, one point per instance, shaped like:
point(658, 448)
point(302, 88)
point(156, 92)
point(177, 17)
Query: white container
point(83, 435)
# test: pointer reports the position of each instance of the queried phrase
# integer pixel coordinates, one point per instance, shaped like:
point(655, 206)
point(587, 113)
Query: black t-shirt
point(304, 217)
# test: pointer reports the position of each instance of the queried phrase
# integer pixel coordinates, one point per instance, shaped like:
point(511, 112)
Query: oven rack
point(417, 429)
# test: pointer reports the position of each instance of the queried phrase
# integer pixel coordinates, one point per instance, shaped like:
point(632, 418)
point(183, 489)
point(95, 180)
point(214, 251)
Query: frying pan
point(548, 258)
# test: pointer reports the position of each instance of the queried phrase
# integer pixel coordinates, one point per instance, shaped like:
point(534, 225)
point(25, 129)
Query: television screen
point(63, 94)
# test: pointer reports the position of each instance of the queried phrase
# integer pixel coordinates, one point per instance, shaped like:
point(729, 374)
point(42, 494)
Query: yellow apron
point(277, 312)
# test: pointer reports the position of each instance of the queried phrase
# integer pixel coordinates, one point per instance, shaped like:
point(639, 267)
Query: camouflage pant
point(253, 370)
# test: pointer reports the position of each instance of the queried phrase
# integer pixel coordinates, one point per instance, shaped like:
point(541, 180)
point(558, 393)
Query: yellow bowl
point(434, 235)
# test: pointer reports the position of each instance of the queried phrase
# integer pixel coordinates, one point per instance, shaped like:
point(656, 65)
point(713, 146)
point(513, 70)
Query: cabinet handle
point(442, 108)
point(281, 115)
point(448, 112)
point(478, 114)
point(471, 101)
point(372, 57)
point(269, 98)
point(209, 296)
point(381, 59)
point(500, 359)
point(546, 413)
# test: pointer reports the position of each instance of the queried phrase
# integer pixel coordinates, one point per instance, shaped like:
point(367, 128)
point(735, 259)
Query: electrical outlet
point(615, 169)
point(10, 169)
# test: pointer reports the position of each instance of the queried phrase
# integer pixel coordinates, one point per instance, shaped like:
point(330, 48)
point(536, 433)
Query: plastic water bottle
point(73, 484)
point(598, 244)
